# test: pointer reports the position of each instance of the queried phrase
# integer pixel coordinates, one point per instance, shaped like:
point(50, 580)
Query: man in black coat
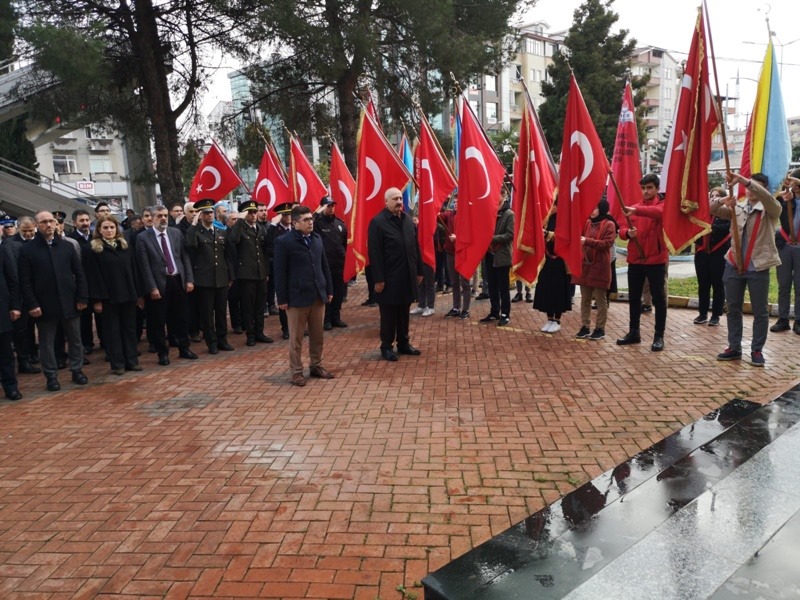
point(396, 271)
point(54, 291)
point(274, 231)
point(252, 269)
point(9, 312)
point(212, 276)
point(83, 236)
point(167, 277)
point(24, 329)
point(333, 232)
point(303, 286)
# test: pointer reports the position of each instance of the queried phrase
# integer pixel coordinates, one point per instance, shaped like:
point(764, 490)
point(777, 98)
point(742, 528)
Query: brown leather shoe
point(298, 379)
point(320, 372)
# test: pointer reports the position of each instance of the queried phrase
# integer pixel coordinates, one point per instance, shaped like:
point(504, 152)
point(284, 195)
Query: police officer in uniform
point(276, 230)
point(333, 232)
point(251, 270)
point(212, 275)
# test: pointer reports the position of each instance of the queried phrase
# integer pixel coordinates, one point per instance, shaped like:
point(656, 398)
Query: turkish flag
point(535, 181)
point(436, 181)
point(684, 179)
point(625, 165)
point(307, 186)
point(343, 189)
point(272, 187)
point(215, 177)
point(379, 168)
point(581, 180)
point(480, 180)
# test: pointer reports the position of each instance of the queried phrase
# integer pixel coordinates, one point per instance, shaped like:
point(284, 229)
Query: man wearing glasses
point(303, 286)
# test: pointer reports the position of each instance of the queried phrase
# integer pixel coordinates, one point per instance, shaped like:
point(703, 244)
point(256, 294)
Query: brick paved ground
point(215, 478)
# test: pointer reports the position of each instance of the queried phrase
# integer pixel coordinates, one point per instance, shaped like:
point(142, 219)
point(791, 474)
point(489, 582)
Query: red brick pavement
point(217, 479)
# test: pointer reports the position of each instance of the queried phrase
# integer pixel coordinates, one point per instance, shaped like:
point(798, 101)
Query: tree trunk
point(153, 73)
point(348, 118)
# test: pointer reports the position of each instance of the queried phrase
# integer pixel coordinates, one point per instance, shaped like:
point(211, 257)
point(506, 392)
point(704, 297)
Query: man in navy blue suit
point(303, 287)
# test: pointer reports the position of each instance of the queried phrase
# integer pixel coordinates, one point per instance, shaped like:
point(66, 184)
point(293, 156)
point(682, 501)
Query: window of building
point(518, 72)
point(97, 133)
point(667, 93)
point(491, 113)
point(65, 163)
point(667, 73)
point(100, 164)
point(534, 47)
point(475, 108)
point(537, 75)
point(491, 83)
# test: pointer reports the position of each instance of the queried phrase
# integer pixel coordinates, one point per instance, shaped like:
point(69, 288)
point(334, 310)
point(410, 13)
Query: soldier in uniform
point(212, 275)
point(252, 270)
point(333, 232)
point(276, 230)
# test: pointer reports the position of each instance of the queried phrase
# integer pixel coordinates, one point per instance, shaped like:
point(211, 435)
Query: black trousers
point(370, 284)
point(24, 337)
point(499, 290)
point(193, 313)
point(211, 305)
point(442, 276)
point(654, 274)
point(168, 311)
point(271, 286)
point(119, 327)
point(710, 268)
point(7, 376)
point(252, 293)
point(333, 310)
point(394, 325)
point(235, 305)
point(87, 332)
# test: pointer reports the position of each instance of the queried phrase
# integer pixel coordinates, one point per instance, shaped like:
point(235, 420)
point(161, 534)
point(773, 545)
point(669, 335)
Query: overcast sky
point(668, 24)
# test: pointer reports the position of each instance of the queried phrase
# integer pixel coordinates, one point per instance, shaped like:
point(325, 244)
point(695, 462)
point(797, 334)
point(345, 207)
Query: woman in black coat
point(111, 272)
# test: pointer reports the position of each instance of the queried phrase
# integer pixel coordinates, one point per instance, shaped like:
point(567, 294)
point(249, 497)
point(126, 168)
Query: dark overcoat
point(394, 257)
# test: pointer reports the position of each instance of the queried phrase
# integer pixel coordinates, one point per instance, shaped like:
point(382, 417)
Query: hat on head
point(60, 215)
point(327, 201)
point(204, 205)
point(248, 205)
point(7, 221)
point(285, 208)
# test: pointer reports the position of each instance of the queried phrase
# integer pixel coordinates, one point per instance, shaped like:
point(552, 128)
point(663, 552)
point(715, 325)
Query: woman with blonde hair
point(111, 273)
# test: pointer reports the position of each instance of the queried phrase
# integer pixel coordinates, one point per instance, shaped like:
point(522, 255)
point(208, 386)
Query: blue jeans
point(757, 283)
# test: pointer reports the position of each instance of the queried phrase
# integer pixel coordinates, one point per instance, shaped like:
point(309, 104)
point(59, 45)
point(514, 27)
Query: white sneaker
point(416, 311)
point(546, 327)
point(428, 312)
point(556, 326)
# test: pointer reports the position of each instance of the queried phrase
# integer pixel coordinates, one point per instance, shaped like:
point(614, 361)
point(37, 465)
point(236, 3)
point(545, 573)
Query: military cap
point(60, 215)
point(248, 205)
point(204, 205)
point(285, 208)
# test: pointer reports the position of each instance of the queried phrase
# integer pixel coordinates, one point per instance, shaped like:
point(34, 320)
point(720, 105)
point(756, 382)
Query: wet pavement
point(215, 478)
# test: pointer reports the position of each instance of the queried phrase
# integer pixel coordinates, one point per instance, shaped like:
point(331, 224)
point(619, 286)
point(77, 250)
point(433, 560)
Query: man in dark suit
point(81, 234)
point(212, 276)
point(54, 291)
point(303, 286)
point(333, 232)
point(24, 334)
point(130, 236)
point(252, 269)
point(396, 271)
point(167, 277)
point(9, 312)
point(274, 231)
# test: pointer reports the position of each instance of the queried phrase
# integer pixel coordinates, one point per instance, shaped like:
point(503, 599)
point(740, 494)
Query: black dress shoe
point(504, 320)
point(213, 350)
point(52, 384)
point(409, 349)
point(88, 349)
point(632, 337)
point(273, 311)
point(369, 303)
point(62, 364)
point(327, 326)
point(151, 348)
point(133, 368)
point(86, 361)
point(250, 342)
point(285, 335)
point(27, 368)
point(517, 297)
point(338, 323)
point(163, 359)
point(13, 394)
point(388, 354)
point(225, 347)
point(489, 318)
point(34, 359)
point(187, 354)
point(263, 339)
point(237, 330)
point(658, 343)
point(79, 378)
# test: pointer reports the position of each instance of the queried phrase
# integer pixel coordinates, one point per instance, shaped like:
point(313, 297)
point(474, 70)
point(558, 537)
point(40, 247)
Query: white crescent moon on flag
point(260, 185)
point(373, 168)
point(578, 137)
point(301, 183)
point(425, 165)
point(271, 190)
point(473, 152)
point(217, 177)
point(532, 158)
point(348, 197)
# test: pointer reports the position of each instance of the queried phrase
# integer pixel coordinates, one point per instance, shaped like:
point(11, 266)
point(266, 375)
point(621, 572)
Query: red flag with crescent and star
point(306, 184)
point(535, 180)
point(684, 179)
point(215, 177)
point(436, 182)
point(379, 168)
point(625, 163)
point(480, 180)
point(343, 190)
point(581, 179)
point(272, 187)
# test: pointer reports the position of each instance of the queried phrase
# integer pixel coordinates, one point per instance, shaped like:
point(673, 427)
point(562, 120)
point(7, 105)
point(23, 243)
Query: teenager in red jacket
point(647, 228)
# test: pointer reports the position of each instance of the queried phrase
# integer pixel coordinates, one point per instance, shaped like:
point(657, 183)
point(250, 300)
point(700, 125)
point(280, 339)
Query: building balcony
point(654, 82)
point(101, 145)
point(652, 102)
point(64, 143)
